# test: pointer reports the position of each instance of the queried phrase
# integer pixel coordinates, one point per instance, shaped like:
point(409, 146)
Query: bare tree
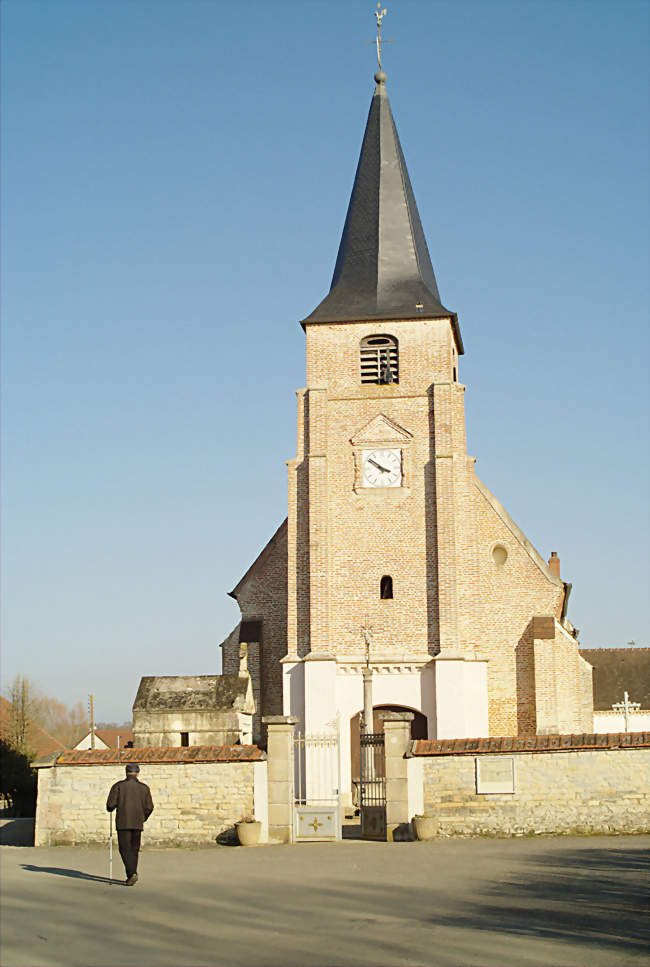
point(24, 699)
point(68, 724)
point(30, 707)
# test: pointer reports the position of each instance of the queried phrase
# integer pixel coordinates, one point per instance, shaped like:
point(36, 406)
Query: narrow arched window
point(386, 587)
point(379, 360)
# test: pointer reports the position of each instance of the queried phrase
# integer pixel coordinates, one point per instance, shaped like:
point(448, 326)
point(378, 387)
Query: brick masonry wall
point(373, 532)
point(563, 687)
point(262, 595)
point(230, 653)
point(586, 791)
point(193, 802)
point(496, 613)
point(434, 536)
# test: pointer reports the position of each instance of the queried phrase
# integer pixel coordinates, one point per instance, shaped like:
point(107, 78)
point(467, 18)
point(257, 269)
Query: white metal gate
point(317, 778)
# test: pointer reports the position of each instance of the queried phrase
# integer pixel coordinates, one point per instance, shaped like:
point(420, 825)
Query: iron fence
point(372, 762)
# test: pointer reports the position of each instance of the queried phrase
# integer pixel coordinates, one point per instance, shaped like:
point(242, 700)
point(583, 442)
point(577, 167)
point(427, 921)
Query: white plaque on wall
point(495, 774)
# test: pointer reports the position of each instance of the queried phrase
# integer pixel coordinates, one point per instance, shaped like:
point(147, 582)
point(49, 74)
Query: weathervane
point(379, 14)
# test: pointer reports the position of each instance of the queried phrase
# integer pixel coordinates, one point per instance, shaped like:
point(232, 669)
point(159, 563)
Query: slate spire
point(383, 269)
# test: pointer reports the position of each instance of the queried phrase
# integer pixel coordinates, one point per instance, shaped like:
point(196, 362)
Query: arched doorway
point(418, 731)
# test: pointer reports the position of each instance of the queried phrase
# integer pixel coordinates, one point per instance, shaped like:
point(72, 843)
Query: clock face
point(382, 468)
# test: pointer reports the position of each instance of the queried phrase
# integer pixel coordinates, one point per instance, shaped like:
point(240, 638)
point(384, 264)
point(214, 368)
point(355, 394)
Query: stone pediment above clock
point(381, 430)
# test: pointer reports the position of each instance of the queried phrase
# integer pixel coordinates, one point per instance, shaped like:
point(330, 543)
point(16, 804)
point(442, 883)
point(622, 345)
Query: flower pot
point(248, 833)
point(426, 827)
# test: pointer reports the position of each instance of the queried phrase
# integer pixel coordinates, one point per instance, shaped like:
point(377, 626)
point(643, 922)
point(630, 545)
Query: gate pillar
point(280, 776)
point(397, 735)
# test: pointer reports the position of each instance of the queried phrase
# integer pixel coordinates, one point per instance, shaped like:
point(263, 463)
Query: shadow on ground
point(588, 896)
point(17, 832)
point(351, 831)
point(74, 874)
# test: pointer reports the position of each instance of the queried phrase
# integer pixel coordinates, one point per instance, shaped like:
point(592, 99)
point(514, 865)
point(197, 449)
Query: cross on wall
point(626, 706)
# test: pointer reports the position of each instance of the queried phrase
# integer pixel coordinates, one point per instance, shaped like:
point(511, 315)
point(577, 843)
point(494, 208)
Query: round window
point(499, 555)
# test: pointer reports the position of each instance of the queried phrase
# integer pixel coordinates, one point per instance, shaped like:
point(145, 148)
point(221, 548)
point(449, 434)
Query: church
point(396, 568)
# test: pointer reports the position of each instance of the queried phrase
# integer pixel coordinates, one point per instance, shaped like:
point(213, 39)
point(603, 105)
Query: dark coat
point(133, 802)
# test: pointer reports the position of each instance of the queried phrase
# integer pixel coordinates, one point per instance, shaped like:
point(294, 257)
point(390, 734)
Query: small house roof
point(619, 670)
point(173, 693)
point(109, 737)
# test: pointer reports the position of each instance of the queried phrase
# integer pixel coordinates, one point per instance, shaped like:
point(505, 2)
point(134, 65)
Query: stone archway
point(418, 731)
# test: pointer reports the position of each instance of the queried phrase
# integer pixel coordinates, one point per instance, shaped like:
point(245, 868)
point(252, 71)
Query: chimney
point(554, 563)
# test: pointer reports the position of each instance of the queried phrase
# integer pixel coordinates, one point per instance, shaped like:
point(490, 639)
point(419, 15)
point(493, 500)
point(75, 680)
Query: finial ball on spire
point(380, 77)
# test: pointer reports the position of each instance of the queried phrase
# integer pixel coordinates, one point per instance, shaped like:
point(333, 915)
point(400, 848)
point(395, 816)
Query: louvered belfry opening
point(379, 360)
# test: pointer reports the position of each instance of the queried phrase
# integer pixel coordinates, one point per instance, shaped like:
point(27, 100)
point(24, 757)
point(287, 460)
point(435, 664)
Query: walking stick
point(110, 851)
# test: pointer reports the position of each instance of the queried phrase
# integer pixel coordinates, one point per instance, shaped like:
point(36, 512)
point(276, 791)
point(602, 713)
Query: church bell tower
point(399, 581)
point(373, 540)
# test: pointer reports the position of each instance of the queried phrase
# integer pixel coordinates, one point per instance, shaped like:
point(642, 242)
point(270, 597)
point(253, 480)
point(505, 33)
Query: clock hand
point(378, 465)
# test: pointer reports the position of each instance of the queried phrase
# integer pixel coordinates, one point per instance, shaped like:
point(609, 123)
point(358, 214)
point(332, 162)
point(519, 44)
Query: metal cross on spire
point(380, 13)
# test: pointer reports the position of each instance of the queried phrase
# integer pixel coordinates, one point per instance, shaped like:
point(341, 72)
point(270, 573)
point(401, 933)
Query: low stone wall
point(194, 801)
point(562, 784)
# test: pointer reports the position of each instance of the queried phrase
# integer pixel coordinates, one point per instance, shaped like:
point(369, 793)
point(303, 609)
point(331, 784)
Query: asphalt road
point(546, 901)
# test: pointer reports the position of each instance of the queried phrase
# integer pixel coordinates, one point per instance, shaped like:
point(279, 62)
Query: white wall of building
point(85, 744)
point(325, 695)
point(615, 721)
point(461, 699)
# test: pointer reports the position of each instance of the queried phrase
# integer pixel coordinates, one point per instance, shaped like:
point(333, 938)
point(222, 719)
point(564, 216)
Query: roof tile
point(530, 743)
point(617, 670)
point(151, 756)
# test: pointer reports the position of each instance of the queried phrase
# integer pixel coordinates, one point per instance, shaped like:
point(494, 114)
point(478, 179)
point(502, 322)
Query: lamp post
point(91, 709)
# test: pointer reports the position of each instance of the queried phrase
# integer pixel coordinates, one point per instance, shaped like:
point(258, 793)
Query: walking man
point(134, 805)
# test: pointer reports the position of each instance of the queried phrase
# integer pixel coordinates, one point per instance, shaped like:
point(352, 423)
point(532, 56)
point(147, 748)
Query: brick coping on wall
point(532, 743)
point(151, 756)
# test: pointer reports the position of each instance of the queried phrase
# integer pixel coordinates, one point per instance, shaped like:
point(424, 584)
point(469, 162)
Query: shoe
point(132, 880)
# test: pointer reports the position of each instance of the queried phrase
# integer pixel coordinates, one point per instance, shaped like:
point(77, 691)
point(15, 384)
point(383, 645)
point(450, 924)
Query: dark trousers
point(129, 843)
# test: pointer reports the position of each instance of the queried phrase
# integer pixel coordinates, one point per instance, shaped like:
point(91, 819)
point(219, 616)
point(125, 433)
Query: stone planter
point(248, 833)
point(425, 827)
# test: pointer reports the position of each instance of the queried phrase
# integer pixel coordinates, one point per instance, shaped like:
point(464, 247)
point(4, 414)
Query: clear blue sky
point(175, 179)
